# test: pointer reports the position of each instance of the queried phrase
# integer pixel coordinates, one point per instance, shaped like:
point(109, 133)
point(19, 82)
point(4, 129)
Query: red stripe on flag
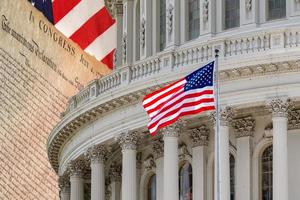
point(108, 59)
point(62, 7)
point(93, 28)
point(202, 109)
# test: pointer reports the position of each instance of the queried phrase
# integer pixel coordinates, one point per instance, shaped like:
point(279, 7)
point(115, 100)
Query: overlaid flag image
point(86, 22)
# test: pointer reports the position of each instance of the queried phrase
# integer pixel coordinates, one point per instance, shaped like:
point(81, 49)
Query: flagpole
point(218, 185)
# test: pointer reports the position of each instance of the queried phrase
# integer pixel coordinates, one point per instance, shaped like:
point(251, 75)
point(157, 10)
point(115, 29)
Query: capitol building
point(102, 150)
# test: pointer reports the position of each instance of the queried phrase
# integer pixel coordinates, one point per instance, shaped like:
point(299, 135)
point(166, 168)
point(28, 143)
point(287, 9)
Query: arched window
point(151, 189)
point(232, 13)
point(276, 9)
point(162, 16)
point(194, 19)
point(267, 173)
point(232, 177)
point(186, 182)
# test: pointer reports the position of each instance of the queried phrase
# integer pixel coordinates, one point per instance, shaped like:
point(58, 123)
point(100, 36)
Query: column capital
point(115, 172)
point(77, 167)
point(64, 182)
point(172, 130)
point(244, 126)
point(226, 114)
point(128, 140)
point(280, 107)
point(199, 136)
point(158, 148)
point(97, 153)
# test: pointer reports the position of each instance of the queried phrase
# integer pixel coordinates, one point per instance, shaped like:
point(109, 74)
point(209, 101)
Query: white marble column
point(64, 185)
point(119, 22)
point(128, 143)
point(170, 136)
point(97, 155)
point(158, 150)
point(199, 138)
point(225, 119)
point(77, 168)
point(279, 108)
point(244, 130)
point(115, 178)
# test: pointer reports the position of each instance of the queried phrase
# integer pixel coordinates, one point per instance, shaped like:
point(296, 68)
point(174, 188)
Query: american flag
point(86, 22)
point(190, 95)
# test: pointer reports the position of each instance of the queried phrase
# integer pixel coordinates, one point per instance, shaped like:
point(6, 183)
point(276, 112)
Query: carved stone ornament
point(77, 167)
point(170, 18)
point(172, 130)
point(280, 107)
point(115, 7)
point(115, 172)
point(149, 163)
point(158, 148)
point(205, 11)
point(200, 136)
point(107, 191)
point(124, 48)
point(269, 130)
point(97, 153)
point(244, 126)
point(248, 4)
point(183, 153)
point(225, 116)
point(128, 140)
point(143, 32)
point(115, 58)
point(64, 182)
point(294, 119)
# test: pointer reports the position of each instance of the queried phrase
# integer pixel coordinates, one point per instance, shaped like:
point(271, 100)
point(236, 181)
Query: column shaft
point(280, 161)
point(243, 164)
point(77, 187)
point(65, 194)
point(224, 164)
point(97, 180)
point(116, 190)
point(129, 175)
point(199, 173)
point(160, 178)
point(171, 187)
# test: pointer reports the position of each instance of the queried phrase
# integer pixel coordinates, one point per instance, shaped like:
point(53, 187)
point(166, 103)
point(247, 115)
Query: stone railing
point(247, 44)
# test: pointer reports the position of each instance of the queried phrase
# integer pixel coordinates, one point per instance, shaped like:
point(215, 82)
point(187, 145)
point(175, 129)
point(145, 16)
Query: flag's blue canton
point(201, 78)
point(45, 6)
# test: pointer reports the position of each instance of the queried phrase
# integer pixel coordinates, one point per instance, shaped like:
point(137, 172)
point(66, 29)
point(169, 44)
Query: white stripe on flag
point(78, 16)
point(104, 43)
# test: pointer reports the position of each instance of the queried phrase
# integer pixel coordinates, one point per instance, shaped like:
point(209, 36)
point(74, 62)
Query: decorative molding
point(143, 32)
point(248, 5)
point(114, 7)
point(200, 136)
point(64, 182)
point(183, 153)
point(115, 174)
point(294, 119)
point(97, 153)
point(170, 10)
point(244, 126)
point(124, 47)
point(77, 167)
point(128, 141)
point(158, 148)
point(280, 107)
point(205, 11)
point(149, 163)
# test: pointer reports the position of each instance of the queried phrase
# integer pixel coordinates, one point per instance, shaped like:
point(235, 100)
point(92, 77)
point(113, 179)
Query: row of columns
point(167, 159)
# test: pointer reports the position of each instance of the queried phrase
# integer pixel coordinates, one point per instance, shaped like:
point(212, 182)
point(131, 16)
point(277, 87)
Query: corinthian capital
point(199, 136)
point(77, 167)
point(64, 182)
point(280, 107)
point(225, 116)
point(173, 130)
point(128, 140)
point(244, 126)
point(97, 153)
